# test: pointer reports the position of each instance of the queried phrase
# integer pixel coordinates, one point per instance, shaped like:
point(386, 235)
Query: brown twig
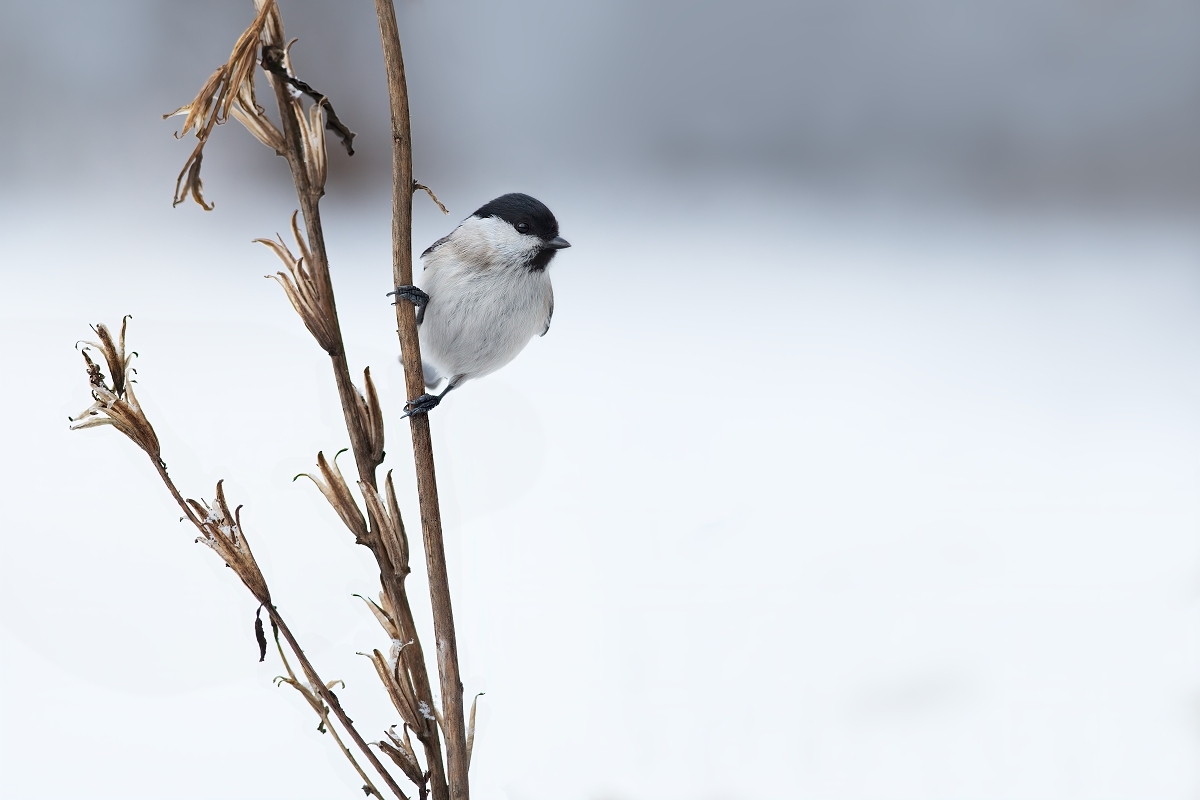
point(417, 187)
point(410, 348)
point(317, 705)
point(310, 673)
point(332, 701)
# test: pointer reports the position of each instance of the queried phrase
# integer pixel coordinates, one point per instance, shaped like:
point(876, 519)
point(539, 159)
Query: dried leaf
point(275, 62)
point(247, 111)
point(385, 621)
point(201, 107)
point(260, 635)
point(471, 728)
point(189, 183)
point(230, 89)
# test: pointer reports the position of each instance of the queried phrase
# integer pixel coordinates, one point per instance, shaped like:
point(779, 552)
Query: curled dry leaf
point(471, 727)
point(305, 290)
point(247, 111)
point(260, 636)
point(385, 620)
point(229, 90)
point(276, 62)
point(114, 401)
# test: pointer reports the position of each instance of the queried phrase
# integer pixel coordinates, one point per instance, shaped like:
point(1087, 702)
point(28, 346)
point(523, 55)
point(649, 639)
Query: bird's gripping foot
point(413, 295)
point(422, 405)
point(427, 402)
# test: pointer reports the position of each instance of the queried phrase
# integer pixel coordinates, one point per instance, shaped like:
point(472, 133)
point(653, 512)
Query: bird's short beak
point(557, 243)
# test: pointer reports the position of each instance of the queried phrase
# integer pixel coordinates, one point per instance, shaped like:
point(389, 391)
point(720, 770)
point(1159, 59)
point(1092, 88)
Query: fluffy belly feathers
point(476, 322)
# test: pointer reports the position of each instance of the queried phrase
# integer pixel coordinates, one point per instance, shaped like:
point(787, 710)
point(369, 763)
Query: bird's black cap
point(516, 208)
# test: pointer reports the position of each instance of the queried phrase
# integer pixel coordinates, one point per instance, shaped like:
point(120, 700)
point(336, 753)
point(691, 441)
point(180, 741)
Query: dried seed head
point(397, 680)
point(333, 486)
point(305, 289)
point(371, 415)
point(401, 752)
point(385, 519)
point(222, 531)
point(115, 403)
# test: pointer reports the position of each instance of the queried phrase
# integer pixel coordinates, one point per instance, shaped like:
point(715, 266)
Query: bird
point(485, 293)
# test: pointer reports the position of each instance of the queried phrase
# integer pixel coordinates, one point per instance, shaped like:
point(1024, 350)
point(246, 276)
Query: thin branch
point(419, 186)
point(369, 787)
point(410, 348)
point(310, 672)
point(332, 701)
point(323, 712)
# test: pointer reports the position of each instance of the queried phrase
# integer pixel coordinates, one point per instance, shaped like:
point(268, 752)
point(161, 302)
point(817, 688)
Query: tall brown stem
point(309, 198)
point(410, 348)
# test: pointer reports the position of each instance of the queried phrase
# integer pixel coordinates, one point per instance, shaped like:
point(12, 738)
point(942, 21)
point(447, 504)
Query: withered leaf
point(260, 635)
point(272, 61)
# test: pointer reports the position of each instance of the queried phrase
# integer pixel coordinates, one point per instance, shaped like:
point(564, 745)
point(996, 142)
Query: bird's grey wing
point(435, 245)
point(549, 313)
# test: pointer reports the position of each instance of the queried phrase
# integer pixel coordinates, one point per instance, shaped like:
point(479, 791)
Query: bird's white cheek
point(493, 243)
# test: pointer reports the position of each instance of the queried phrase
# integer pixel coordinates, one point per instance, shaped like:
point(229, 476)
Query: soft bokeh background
point(860, 460)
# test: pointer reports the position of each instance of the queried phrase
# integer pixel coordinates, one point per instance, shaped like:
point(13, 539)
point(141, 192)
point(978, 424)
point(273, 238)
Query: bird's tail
point(428, 371)
point(432, 377)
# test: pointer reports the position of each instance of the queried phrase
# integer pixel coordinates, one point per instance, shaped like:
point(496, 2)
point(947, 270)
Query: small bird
point(486, 292)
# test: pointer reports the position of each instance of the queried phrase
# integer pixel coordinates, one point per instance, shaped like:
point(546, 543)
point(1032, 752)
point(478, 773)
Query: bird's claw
point(412, 294)
point(422, 405)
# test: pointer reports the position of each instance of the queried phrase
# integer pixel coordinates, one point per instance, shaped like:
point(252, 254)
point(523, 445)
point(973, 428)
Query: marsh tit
point(485, 293)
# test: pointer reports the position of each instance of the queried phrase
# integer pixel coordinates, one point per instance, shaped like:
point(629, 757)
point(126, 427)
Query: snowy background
point(860, 460)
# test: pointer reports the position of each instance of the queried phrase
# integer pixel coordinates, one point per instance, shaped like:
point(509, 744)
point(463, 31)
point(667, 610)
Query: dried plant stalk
point(361, 410)
point(219, 528)
point(300, 138)
point(403, 186)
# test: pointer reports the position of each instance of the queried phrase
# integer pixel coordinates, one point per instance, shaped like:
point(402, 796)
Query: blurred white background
point(860, 460)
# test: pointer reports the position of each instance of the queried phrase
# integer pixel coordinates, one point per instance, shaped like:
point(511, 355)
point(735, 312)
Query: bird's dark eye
point(523, 227)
